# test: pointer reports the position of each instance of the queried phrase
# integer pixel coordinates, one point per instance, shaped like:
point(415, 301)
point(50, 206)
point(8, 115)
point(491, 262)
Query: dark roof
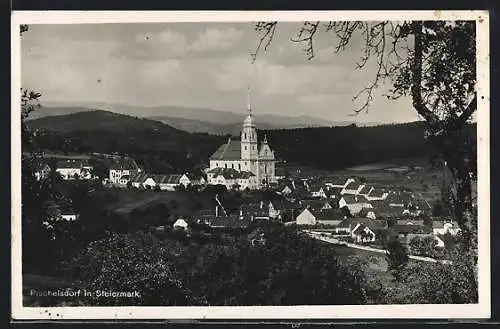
point(371, 223)
point(280, 171)
point(329, 215)
point(230, 173)
point(124, 164)
point(365, 189)
point(166, 179)
point(353, 186)
point(255, 208)
point(314, 204)
point(330, 190)
point(388, 211)
point(229, 151)
point(351, 199)
point(440, 224)
point(139, 178)
point(409, 222)
point(376, 193)
point(414, 229)
point(69, 164)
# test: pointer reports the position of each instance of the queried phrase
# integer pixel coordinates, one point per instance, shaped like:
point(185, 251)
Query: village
point(339, 210)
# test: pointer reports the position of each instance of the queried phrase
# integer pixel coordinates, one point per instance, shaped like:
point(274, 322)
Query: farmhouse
point(377, 195)
point(306, 217)
point(354, 203)
point(123, 167)
point(353, 188)
point(362, 233)
point(73, 169)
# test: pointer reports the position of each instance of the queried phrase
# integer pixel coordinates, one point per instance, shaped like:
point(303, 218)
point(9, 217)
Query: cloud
point(214, 38)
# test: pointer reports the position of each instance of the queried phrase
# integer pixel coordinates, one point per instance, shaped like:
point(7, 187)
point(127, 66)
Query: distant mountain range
point(190, 119)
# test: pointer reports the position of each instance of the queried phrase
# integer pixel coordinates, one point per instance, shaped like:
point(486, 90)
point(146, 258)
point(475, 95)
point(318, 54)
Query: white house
point(340, 183)
point(377, 195)
point(353, 188)
point(181, 224)
point(232, 178)
point(123, 167)
point(443, 227)
point(70, 169)
point(306, 217)
point(149, 183)
point(171, 182)
point(362, 233)
point(355, 203)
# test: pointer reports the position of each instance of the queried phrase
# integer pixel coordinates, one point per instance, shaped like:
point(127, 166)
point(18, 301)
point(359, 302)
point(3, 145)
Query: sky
point(201, 65)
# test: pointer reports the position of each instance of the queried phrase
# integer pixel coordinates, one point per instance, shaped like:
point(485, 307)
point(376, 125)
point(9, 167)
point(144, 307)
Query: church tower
point(249, 151)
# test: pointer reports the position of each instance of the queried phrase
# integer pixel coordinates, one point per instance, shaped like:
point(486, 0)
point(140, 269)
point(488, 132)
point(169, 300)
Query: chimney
point(261, 204)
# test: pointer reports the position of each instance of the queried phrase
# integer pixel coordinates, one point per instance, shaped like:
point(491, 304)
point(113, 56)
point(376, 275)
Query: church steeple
point(249, 104)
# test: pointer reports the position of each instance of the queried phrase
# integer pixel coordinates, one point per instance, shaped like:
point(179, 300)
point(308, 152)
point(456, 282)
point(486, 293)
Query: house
point(352, 188)
point(362, 233)
point(286, 190)
point(138, 179)
point(69, 169)
point(365, 190)
point(317, 191)
point(196, 180)
point(385, 211)
point(330, 217)
point(339, 182)
point(333, 192)
point(444, 227)
point(404, 230)
point(278, 207)
point(347, 226)
point(171, 182)
point(367, 212)
point(180, 224)
point(410, 222)
point(256, 211)
point(377, 195)
point(354, 203)
point(42, 170)
point(123, 167)
point(316, 205)
point(306, 217)
point(232, 178)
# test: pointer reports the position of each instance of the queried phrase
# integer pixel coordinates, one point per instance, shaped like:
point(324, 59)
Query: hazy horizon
point(203, 66)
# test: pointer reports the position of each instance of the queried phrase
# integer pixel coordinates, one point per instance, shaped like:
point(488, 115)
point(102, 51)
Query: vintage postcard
point(250, 165)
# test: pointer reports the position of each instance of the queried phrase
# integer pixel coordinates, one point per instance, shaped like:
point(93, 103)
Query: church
point(246, 162)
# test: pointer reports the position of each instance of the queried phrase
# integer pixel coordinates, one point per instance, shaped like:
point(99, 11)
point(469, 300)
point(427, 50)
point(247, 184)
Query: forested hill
point(340, 147)
point(162, 148)
point(158, 147)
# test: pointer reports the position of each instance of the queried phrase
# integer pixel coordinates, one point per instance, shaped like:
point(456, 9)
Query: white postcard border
point(470, 311)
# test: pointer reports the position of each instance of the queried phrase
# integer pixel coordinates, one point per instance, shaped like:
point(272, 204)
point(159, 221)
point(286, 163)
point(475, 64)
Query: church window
point(245, 147)
point(225, 165)
point(232, 165)
point(245, 135)
point(239, 166)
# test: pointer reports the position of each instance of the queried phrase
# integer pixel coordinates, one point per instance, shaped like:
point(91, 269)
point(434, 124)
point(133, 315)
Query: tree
point(397, 258)
point(432, 61)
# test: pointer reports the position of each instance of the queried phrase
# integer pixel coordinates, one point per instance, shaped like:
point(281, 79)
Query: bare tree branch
point(268, 28)
point(306, 34)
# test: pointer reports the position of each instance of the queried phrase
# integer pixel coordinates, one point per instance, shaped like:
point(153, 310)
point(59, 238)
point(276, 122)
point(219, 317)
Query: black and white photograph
point(250, 165)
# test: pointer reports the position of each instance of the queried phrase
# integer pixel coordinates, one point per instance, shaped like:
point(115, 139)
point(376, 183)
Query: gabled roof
point(360, 228)
point(371, 223)
point(139, 178)
point(388, 211)
point(440, 224)
point(365, 189)
point(255, 208)
point(229, 151)
point(124, 164)
point(329, 215)
point(314, 204)
point(67, 164)
point(376, 193)
point(354, 186)
point(414, 229)
point(330, 190)
point(352, 199)
point(409, 222)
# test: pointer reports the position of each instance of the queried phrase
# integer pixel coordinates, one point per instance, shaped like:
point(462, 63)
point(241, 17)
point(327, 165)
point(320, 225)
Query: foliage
point(425, 246)
point(397, 258)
